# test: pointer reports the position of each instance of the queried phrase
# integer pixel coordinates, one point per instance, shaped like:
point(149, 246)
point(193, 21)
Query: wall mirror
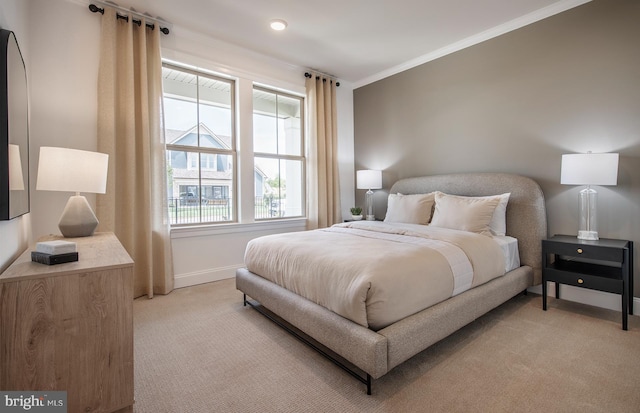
point(14, 129)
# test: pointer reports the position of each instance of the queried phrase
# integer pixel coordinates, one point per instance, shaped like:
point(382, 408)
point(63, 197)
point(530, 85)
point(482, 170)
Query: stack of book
point(55, 252)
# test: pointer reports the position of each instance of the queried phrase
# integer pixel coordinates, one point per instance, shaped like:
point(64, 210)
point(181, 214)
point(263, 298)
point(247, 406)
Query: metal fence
point(269, 207)
point(194, 211)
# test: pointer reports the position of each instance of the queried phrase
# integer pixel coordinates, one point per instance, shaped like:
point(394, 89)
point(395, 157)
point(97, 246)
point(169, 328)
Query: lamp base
point(588, 235)
point(369, 215)
point(588, 226)
point(77, 220)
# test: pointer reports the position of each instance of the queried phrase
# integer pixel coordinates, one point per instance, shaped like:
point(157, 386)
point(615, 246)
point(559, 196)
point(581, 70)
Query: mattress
point(375, 273)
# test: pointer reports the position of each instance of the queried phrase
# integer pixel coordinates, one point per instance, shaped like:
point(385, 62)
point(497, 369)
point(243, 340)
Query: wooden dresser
point(70, 326)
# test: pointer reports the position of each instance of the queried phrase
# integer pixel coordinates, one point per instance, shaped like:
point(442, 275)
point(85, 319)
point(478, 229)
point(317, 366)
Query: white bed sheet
point(509, 246)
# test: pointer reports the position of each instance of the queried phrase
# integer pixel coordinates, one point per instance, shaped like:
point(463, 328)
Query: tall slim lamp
point(589, 169)
point(369, 179)
point(73, 170)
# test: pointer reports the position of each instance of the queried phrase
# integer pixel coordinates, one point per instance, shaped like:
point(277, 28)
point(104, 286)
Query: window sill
point(234, 228)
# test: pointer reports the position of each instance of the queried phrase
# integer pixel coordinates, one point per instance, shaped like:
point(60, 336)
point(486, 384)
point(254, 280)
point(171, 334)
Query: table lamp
point(589, 169)
point(369, 179)
point(72, 170)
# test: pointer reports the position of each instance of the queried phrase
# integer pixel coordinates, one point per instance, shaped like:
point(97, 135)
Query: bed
point(375, 346)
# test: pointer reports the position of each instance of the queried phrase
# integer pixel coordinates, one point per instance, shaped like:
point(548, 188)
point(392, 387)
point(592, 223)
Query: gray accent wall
point(516, 103)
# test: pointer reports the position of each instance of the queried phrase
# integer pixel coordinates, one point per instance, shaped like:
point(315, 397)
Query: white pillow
point(464, 213)
point(498, 224)
point(410, 209)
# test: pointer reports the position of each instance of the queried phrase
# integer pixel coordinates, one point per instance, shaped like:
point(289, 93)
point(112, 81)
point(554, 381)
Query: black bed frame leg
point(289, 330)
point(244, 300)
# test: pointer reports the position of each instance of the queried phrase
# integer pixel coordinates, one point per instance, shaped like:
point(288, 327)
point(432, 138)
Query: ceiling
point(358, 41)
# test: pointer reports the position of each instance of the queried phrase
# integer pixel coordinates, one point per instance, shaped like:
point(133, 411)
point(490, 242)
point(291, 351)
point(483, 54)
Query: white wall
point(64, 41)
point(64, 50)
point(14, 234)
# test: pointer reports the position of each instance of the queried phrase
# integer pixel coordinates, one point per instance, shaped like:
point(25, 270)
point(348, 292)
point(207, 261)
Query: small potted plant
point(356, 213)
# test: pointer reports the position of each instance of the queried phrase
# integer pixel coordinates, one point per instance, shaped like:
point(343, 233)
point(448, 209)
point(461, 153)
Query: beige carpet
point(199, 350)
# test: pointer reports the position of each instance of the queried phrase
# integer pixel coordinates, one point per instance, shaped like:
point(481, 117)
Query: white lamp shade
point(369, 179)
point(16, 179)
point(589, 169)
point(72, 170)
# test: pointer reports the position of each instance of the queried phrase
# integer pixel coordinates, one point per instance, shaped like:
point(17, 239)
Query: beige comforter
point(375, 273)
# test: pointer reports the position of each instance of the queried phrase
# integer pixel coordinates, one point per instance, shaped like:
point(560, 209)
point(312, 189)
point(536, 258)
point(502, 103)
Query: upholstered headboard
point(526, 213)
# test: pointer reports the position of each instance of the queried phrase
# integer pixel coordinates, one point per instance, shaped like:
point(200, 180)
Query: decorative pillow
point(472, 214)
point(410, 209)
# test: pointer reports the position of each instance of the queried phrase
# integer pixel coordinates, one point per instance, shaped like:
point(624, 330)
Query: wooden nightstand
point(604, 265)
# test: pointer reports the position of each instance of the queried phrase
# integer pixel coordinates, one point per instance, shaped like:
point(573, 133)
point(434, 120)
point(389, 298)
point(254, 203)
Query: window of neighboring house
point(278, 154)
point(199, 124)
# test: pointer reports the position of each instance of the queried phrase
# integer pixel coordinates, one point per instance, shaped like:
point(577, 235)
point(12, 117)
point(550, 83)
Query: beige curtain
point(130, 130)
point(323, 206)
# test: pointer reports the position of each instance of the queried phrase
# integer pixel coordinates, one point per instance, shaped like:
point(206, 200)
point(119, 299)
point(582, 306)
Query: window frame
point(233, 152)
point(302, 157)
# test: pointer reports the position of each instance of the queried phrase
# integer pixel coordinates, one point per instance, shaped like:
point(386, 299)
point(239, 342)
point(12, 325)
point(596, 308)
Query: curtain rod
point(309, 75)
point(96, 9)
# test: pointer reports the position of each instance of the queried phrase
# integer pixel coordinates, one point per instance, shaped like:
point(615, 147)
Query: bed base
point(377, 352)
point(364, 380)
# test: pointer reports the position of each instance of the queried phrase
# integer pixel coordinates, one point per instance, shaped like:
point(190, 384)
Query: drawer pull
point(580, 281)
point(579, 250)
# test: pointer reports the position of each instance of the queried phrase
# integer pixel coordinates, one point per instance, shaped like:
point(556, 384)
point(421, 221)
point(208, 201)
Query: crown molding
point(507, 27)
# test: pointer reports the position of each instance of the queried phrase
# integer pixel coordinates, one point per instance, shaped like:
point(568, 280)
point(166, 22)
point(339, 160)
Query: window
point(278, 154)
point(200, 135)
point(202, 155)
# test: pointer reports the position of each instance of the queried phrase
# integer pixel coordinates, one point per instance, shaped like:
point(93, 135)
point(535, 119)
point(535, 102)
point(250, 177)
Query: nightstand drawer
point(610, 285)
point(584, 251)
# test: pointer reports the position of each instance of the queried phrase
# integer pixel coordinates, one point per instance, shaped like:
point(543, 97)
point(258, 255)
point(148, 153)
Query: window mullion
point(203, 150)
point(274, 156)
point(246, 165)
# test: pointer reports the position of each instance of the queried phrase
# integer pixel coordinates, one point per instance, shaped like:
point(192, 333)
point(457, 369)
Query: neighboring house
point(216, 170)
point(262, 188)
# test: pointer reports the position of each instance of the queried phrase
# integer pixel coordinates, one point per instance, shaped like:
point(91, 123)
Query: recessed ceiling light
point(278, 24)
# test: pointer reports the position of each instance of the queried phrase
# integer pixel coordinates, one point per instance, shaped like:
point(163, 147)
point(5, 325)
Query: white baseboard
point(201, 277)
point(586, 296)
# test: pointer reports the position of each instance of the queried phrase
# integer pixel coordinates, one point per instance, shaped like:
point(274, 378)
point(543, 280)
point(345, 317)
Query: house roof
point(189, 137)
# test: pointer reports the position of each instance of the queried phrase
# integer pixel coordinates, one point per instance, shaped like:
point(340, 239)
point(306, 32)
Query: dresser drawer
point(584, 251)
